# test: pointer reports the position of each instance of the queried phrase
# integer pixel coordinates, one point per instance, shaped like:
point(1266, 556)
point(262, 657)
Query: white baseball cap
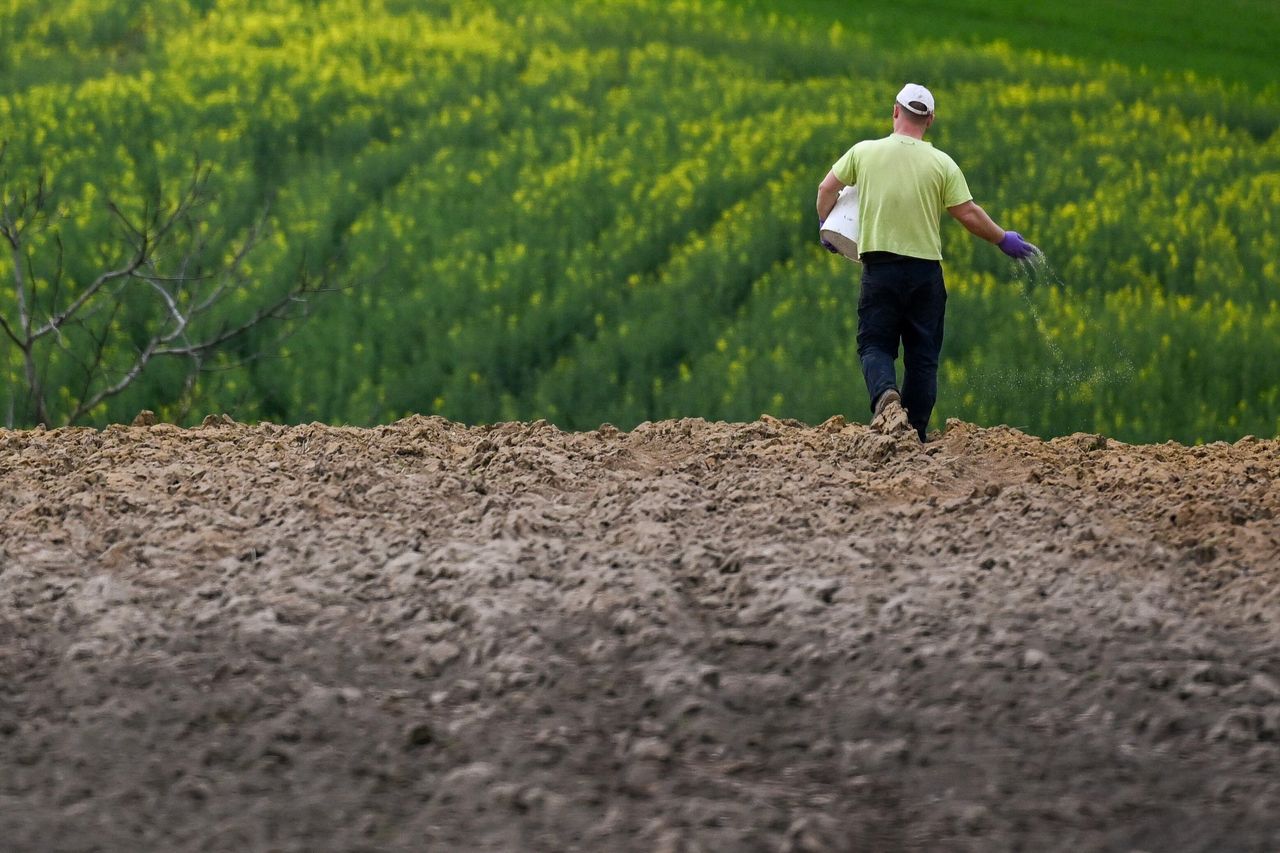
point(916, 99)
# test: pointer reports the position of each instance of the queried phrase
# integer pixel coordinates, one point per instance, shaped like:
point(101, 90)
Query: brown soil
point(692, 636)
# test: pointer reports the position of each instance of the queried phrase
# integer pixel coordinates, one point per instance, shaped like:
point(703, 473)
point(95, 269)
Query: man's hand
point(826, 244)
point(1014, 246)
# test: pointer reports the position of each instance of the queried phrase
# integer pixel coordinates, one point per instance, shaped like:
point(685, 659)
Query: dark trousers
point(903, 299)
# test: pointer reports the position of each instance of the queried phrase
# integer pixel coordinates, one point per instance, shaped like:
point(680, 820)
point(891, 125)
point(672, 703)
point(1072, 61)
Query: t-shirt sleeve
point(846, 168)
point(955, 190)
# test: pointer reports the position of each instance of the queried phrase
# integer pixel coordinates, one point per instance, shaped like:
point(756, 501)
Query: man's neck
point(905, 129)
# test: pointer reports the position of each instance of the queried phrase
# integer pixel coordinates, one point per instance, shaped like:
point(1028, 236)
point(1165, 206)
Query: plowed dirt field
point(687, 637)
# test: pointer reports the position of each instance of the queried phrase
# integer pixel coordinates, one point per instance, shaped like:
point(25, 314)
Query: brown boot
point(889, 416)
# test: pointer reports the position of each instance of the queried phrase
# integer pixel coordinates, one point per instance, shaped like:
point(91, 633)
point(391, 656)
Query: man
point(904, 185)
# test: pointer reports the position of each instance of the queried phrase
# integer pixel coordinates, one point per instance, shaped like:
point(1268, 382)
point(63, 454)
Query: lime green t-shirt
point(904, 184)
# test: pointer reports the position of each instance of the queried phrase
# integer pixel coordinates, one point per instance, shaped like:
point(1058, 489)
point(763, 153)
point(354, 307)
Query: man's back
point(904, 185)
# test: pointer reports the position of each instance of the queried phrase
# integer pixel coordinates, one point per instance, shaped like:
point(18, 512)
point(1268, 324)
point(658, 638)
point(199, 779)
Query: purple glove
point(826, 244)
point(1014, 246)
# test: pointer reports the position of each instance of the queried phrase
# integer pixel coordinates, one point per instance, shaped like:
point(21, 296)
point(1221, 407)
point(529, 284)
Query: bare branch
point(172, 305)
point(94, 370)
point(180, 278)
point(277, 310)
point(162, 246)
point(232, 274)
point(144, 239)
point(23, 338)
point(20, 292)
point(88, 293)
point(58, 271)
point(135, 370)
point(189, 384)
point(157, 346)
point(15, 220)
point(9, 333)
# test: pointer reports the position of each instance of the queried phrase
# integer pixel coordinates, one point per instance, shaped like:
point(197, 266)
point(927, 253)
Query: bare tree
point(170, 283)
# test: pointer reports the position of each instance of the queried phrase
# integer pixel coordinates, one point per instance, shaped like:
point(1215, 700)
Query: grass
point(1230, 40)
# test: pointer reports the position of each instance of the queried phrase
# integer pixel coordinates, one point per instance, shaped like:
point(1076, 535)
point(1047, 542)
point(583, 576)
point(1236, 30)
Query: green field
point(597, 212)
point(1231, 40)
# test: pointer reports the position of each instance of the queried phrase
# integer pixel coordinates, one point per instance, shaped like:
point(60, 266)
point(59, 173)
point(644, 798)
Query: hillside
point(687, 636)
point(1163, 37)
point(593, 212)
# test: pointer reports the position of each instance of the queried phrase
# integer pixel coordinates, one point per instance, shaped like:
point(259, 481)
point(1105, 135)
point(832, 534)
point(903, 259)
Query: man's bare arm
point(828, 191)
point(976, 221)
